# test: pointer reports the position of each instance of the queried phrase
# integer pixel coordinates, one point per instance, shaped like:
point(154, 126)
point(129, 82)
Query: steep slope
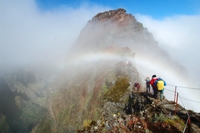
point(22, 100)
point(81, 95)
point(143, 114)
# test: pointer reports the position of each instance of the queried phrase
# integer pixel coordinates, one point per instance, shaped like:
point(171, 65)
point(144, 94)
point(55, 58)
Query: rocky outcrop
point(118, 16)
point(110, 26)
point(143, 115)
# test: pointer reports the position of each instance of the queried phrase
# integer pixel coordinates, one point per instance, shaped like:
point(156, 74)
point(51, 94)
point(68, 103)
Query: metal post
point(175, 94)
point(189, 124)
point(176, 103)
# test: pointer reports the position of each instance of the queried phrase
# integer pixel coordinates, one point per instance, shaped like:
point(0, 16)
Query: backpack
point(160, 84)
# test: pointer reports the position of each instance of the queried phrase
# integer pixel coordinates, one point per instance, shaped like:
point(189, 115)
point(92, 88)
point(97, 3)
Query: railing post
point(175, 95)
point(176, 103)
point(189, 124)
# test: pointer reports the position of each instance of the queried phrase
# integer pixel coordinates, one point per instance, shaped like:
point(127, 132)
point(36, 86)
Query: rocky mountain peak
point(118, 16)
point(118, 29)
point(112, 28)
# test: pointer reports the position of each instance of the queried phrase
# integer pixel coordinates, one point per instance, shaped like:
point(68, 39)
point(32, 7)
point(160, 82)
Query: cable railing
point(176, 97)
point(169, 92)
point(187, 122)
point(190, 100)
point(184, 87)
point(188, 119)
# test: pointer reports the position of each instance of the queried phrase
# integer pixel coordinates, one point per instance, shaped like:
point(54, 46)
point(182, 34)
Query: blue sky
point(156, 8)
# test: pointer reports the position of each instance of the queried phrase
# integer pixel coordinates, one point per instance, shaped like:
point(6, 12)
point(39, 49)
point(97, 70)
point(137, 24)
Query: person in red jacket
point(137, 85)
point(153, 79)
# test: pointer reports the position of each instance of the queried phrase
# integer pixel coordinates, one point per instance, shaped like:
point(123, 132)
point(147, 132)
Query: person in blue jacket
point(160, 83)
point(147, 84)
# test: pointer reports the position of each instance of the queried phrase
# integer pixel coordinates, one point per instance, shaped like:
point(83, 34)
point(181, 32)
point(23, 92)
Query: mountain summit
point(114, 27)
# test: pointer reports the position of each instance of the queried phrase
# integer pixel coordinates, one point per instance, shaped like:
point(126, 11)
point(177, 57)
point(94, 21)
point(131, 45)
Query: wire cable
point(183, 105)
point(190, 100)
point(186, 125)
point(184, 87)
point(169, 92)
point(183, 97)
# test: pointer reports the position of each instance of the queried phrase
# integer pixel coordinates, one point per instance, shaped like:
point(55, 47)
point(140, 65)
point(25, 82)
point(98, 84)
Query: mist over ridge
point(30, 36)
point(45, 36)
point(125, 31)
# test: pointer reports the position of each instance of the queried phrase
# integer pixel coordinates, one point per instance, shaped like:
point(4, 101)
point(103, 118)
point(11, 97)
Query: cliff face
point(81, 94)
point(22, 100)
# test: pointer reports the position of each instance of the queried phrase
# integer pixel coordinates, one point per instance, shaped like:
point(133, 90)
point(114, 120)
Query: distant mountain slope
point(22, 100)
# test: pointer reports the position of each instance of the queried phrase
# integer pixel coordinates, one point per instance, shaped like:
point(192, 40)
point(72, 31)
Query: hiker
point(137, 85)
point(160, 83)
point(147, 84)
point(153, 79)
point(128, 63)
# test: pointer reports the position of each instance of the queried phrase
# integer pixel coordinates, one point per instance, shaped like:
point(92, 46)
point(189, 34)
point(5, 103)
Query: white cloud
point(29, 35)
point(179, 35)
point(174, 31)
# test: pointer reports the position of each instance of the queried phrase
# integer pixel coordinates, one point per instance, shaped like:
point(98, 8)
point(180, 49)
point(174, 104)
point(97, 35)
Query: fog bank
point(30, 36)
point(179, 35)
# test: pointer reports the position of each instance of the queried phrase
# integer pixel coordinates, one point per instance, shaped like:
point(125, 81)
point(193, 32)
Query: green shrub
point(86, 123)
point(118, 90)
